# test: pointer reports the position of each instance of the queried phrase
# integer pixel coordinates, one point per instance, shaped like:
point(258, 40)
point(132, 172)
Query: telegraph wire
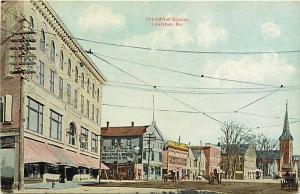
point(185, 73)
point(191, 92)
point(276, 125)
point(200, 88)
point(259, 99)
point(171, 50)
point(113, 44)
point(261, 115)
point(174, 98)
point(189, 51)
point(190, 112)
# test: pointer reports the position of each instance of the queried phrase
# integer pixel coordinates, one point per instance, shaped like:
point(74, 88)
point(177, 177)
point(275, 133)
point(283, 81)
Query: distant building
point(268, 162)
point(212, 155)
point(244, 161)
point(195, 164)
point(296, 160)
point(286, 146)
point(175, 156)
point(277, 162)
point(126, 153)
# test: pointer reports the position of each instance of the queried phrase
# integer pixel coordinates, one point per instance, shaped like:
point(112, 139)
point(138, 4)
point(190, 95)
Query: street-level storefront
point(44, 162)
point(175, 157)
point(155, 171)
point(123, 171)
point(8, 162)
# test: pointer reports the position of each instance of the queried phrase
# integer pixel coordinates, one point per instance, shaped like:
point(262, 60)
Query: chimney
point(107, 124)
point(132, 124)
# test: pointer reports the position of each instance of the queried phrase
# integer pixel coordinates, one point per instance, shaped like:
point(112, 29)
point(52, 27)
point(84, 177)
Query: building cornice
point(61, 30)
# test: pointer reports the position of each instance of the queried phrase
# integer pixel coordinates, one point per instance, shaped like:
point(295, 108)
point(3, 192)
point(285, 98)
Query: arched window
point(69, 67)
point(61, 60)
point(31, 24)
point(43, 40)
point(76, 74)
point(88, 86)
point(52, 51)
point(82, 80)
point(72, 133)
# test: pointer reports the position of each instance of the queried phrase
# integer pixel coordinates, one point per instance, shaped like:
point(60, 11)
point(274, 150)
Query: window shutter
point(8, 108)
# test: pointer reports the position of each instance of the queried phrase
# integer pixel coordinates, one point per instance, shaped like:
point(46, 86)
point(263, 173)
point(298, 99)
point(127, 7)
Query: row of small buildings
point(50, 114)
point(142, 153)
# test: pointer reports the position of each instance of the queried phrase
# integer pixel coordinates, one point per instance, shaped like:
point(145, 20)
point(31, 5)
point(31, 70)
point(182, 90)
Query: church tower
point(286, 145)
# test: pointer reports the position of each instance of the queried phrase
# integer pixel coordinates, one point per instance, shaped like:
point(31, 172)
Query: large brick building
point(51, 97)
point(286, 146)
point(175, 157)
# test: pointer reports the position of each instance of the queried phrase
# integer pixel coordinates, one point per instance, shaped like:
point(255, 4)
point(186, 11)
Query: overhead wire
point(171, 50)
point(191, 92)
point(192, 112)
point(258, 99)
point(186, 73)
point(188, 51)
point(174, 98)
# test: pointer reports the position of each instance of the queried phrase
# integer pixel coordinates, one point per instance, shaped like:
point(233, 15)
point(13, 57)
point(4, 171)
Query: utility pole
point(100, 156)
point(149, 137)
point(117, 166)
point(153, 104)
point(23, 61)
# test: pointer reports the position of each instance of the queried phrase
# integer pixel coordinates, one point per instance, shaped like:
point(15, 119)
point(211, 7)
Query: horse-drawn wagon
point(289, 181)
point(214, 177)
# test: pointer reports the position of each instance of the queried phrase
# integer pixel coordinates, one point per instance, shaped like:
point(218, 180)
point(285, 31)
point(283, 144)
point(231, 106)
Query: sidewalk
point(117, 190)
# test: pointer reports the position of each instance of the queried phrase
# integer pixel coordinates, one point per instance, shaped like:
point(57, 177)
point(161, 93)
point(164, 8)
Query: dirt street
point(225, 187)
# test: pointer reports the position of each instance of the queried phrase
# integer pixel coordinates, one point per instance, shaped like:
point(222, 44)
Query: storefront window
point(55, 125)
point(35, 116)
point(84, 138)
point(32, 171)
point(94, 143)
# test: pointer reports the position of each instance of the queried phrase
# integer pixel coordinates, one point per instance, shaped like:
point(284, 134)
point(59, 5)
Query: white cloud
point(100, 18)
point(165, 37)
point(205, 35)
point(208, 34)
point(266, 68)
point(270, 30)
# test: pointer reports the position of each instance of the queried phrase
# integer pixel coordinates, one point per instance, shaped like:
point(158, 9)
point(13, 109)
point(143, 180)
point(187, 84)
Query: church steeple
point(286, 134)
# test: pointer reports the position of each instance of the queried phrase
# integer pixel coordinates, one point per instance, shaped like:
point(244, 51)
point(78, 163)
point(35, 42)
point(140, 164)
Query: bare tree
point(265, 143)
point(233, 136)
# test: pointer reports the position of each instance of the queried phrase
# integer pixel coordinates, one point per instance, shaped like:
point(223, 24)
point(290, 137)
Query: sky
point(203, 26)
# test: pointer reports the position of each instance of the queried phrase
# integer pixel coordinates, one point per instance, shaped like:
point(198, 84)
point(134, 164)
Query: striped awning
point(35, 152)
point(78, 159)
point(94, 163)
point(62, 156)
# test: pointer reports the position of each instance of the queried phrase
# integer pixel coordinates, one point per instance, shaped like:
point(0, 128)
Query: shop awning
point(94, 163)
point(78, 159)
point(62, 156)
point(35, 151)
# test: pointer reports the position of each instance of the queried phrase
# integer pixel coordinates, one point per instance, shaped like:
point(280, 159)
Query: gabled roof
point(196, 153)
point(123, 131)
point(268, 154)
point(237, 148)
point(286, 134)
